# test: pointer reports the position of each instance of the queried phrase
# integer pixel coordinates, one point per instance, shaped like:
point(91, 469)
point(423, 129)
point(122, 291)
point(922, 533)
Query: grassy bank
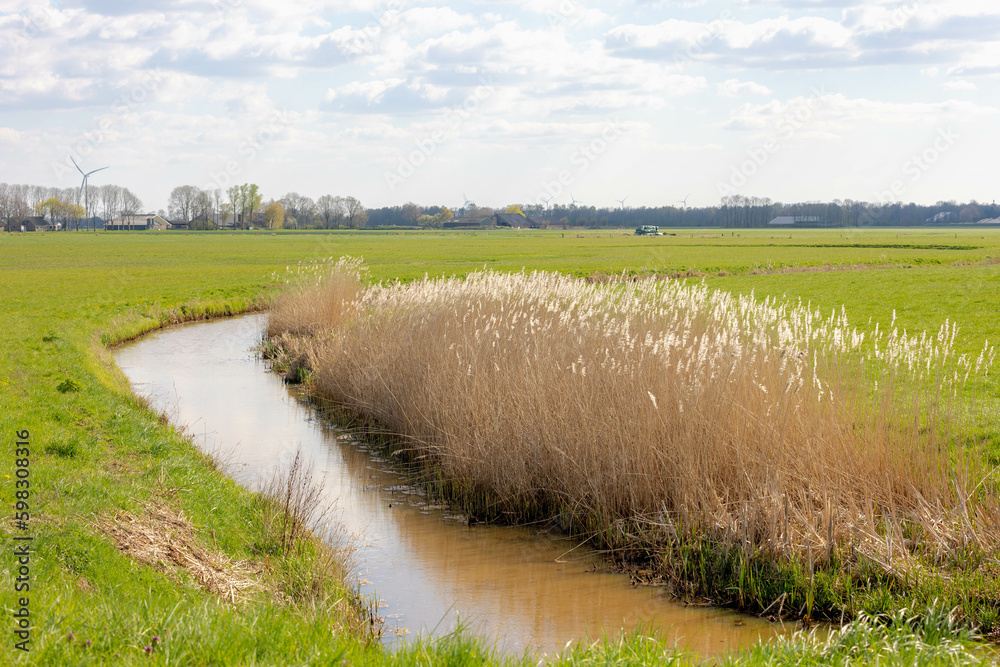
point(141, 548)
point(106, 471)
point(762, 455)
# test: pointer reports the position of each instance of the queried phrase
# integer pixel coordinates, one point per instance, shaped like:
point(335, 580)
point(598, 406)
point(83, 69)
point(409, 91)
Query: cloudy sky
point(513, 101)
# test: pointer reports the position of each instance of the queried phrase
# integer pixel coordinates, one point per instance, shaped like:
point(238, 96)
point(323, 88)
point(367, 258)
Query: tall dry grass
point(320, 296)
point(662, 405)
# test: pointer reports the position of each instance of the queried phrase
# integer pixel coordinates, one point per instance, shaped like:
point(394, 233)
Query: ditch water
point(522, 588)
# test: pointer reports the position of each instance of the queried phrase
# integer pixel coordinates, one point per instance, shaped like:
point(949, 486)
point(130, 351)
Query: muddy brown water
point(521, 588)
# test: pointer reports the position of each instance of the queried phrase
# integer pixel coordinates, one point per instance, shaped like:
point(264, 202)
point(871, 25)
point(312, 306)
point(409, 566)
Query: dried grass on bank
point(165, 540)
point(758, 424)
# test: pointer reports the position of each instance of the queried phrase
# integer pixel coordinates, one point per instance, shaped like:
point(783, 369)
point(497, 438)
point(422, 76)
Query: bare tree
point(331, 210)
point(13, 207)
point(301, 208)
point(19, 207)
point(6, 195)
point(181, 202)
point(201, 207)
point(131, 205)
point(35, 195)
point(111, 202)
point(306, 211)
point(356, 216)
point(217, 204)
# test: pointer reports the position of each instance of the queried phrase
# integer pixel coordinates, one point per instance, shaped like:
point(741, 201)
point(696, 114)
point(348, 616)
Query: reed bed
point(656, 414)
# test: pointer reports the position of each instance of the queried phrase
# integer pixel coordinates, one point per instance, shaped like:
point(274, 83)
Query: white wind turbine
point(84, 192)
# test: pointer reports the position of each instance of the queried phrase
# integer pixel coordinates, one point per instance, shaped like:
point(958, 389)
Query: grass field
point(100, 459)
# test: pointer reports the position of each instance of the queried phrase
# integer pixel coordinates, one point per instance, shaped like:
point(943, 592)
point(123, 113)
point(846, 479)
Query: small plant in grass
point(66, 447)
point(298, 503)
point(67, 386)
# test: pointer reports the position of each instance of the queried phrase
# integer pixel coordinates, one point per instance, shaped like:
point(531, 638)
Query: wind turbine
point(546, 200)
point(622, 201)
point(84, 192)
point(684, 201)
point(574, 201)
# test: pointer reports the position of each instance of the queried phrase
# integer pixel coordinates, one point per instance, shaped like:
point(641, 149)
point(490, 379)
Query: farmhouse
point(471, 222)
point(29, 224)
point(510, 220)
point(798, 221)
point(782, 221)
point(515, 220)
point(141, 222)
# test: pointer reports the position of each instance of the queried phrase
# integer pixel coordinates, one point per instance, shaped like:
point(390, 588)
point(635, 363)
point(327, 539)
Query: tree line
point(243, 206)
point(64, 207)
point(741, 211)
point(736, 211)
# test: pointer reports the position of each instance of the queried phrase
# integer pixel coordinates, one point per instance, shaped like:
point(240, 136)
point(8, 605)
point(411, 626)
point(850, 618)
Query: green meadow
point(101, 460)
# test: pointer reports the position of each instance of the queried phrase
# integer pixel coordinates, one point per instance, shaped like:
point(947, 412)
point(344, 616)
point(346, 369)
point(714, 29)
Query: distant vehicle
point(648, 230)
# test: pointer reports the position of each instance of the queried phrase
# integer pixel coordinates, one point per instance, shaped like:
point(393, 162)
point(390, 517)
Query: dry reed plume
point(663, 407)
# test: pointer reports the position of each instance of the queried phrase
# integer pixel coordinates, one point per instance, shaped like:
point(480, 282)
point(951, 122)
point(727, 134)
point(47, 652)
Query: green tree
point(411, 212)
point(274, 215)
point(252, 200)
point(60, 212)
point(235, 194)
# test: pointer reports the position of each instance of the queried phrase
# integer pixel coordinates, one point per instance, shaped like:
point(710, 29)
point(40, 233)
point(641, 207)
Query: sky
point(517, 101)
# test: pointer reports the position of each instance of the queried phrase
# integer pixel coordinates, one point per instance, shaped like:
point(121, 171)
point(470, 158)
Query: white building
point(140, 222)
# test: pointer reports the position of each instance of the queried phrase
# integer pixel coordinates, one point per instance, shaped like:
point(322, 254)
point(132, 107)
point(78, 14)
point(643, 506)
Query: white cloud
point(834, 115)
point(371, 92)
point(737, 88)
point(977, 60)
point(565, 14)
point(434, 20)
point(9, 135)
point(867, 34)
point(775, 41)
point(960, 84)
